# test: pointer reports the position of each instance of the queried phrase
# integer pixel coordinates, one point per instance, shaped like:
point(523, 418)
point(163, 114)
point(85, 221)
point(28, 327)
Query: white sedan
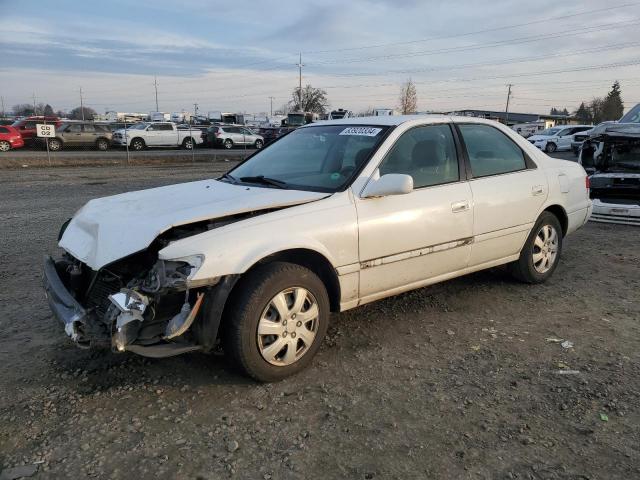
point(329, 217)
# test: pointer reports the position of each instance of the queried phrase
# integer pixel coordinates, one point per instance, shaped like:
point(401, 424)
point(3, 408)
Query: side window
point(490, 151)
point(75, 128)
point(4, 130)
point(89, 129)
point(427, 153)
point(29, 125)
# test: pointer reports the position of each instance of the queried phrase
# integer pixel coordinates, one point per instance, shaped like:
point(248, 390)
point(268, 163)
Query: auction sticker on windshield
point(365, 131)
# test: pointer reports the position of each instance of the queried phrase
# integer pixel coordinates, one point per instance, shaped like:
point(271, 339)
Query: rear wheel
point(540, 255)
point(276, 321)
point(228, 144)
point(55, 144)
point(137, 144)
point(551, 147)
point(102, 144)
point(4, 146)
point(187, 143)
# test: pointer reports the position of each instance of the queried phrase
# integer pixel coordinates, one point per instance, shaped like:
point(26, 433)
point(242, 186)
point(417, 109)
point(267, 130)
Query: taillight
point(587, 183)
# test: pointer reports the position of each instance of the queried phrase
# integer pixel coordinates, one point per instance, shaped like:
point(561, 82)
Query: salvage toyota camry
point(331, 216)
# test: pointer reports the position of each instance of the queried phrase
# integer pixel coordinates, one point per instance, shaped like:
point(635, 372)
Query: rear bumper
point(65, 308)
point(16, 142)
point(626, 214)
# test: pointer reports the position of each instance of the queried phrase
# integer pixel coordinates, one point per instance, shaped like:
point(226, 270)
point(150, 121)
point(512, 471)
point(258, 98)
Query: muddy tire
point(541, 252)
point(276, 321)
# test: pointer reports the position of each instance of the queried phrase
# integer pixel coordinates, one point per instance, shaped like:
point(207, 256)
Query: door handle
point(460, 206)
point(537, 190)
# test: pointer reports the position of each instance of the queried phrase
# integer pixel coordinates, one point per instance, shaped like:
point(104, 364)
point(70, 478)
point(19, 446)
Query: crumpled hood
point(107, 229)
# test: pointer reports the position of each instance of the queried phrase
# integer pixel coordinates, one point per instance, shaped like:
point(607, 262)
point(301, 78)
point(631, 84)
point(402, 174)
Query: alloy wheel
point(5, 146)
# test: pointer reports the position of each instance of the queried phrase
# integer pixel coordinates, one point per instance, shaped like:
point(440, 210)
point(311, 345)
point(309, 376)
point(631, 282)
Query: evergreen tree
point(612, 106)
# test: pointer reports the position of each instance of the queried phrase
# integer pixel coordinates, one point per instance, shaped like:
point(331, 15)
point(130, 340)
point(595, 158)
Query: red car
point(10, 138)
point(27, 126)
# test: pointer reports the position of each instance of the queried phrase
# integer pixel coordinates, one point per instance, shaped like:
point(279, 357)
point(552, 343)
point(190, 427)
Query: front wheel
point(551, 147)
point(541, 252)
point(276, 321)
point(55, 144)
point(228, 144)
point(137, 144)
point(258, 144)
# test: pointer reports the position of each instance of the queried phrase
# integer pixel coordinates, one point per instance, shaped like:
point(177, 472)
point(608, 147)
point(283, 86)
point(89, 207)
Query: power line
point(476, 32)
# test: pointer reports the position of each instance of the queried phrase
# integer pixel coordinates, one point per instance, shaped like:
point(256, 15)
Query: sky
point(234, 55)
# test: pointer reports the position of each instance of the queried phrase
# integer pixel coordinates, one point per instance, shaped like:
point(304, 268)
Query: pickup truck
point(156, 134)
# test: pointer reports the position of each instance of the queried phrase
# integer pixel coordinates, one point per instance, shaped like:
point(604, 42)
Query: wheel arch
point(312, 260)
point(561, 214)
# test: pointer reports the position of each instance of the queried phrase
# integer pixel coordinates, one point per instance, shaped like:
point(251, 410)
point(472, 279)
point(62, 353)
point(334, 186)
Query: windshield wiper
point(265, 181)
point(231, 178)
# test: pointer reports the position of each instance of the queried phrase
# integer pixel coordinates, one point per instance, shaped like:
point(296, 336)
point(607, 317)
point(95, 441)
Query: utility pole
point(155, 85)
point(270, 114)
point(2, 100)
point(34, 103)
point(81, 104)
point(508, 98)
point(300, 65)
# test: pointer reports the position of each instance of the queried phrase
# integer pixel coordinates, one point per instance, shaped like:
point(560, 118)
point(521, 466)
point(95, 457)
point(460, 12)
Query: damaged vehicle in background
point(329, 217)
point(611, 155)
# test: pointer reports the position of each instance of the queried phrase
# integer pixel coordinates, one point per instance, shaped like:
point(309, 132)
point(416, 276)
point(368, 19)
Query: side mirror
point(389, 184)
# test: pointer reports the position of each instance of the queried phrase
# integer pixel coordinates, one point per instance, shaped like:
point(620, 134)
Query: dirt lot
point(455, 381)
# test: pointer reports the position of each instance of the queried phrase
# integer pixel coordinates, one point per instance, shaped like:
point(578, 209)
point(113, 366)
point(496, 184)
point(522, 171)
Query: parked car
point(269, 134)
point(557, 138)
point(229, 136)
point(332, 216)
point(156, 134)
point(10, 138)
point(27, 127)
point(528, 129)
point(79, 134)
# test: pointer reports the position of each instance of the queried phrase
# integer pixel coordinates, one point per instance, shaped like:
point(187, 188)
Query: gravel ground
point(462, 380)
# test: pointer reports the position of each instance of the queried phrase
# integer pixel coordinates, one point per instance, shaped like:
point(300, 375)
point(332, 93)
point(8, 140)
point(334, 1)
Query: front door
point(508, 192)
point(407, 239)
point(72, 135)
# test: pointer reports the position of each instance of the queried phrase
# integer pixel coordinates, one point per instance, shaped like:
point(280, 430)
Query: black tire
point(4, 146)
point(259, 144)
point(254, 293)
point(187, 143)
point(137, 144)
point(102, 144)
point(523, 269)
point(55, 144)
point(228, 144)
point(550, 147)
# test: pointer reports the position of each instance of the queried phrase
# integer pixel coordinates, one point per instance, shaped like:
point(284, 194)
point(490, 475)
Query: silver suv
point(229, 136)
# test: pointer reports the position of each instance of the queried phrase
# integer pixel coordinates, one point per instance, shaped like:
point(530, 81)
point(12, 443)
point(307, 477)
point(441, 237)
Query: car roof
point(390, 120)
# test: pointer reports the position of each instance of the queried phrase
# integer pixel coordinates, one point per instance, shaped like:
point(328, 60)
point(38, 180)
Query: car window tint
point(490, 151)
point(4, 130)
point(427, 153)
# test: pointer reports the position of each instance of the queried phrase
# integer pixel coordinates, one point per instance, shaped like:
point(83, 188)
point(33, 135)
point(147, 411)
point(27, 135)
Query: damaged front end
point(612, 158)
point(140, 303)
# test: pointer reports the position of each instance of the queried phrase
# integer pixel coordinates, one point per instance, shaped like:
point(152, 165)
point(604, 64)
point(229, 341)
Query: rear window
point(4, 130)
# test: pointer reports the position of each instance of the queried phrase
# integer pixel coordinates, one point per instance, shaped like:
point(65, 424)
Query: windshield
point(322, 158)
point(632, 116)
point(549, 132)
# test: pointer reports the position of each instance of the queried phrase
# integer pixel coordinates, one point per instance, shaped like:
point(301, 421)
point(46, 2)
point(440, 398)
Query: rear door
point(508, 191)
point(89, 134)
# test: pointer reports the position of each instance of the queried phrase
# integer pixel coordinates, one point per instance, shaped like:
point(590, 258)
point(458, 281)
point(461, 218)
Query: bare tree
point(408, 98)
point(76, 113)
point(313, 100)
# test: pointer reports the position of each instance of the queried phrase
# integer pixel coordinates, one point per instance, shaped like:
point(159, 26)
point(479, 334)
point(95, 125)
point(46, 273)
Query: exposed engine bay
point(143, 304)
point(612, 158)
